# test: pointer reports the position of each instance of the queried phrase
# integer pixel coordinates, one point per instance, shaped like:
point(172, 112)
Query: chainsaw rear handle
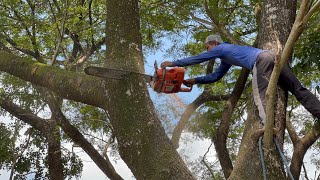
point(186, 89)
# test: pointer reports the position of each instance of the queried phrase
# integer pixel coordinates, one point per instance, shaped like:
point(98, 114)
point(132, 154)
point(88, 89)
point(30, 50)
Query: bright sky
point(189, 148)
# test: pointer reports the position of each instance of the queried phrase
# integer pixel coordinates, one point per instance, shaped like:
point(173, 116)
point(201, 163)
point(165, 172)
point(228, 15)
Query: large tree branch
point(203, 98)
point(70, 85)
point(24, 115)
point(54, 151)
point(300, 149)
point(292, 132)
point(4, 47)
point(104, 164)
point(220, 138)
point(16, 46)
point(45, 127)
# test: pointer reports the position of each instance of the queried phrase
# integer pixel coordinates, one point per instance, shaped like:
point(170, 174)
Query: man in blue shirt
point(261, 62)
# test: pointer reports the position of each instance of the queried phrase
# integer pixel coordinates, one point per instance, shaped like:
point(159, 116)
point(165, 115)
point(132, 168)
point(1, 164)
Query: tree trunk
point(54, 152)
point(143, 143)
point(277, 17)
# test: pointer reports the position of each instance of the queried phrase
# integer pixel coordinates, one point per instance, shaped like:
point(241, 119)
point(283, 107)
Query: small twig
point(60, 34)
point(292, 133)
point(311, 11)
point(206, 164)
point(305, 171)
point(106, 147)
point(94, 137)
point(233, 9)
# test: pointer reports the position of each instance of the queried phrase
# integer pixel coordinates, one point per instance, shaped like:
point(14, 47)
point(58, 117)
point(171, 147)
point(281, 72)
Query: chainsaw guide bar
point(117, 74)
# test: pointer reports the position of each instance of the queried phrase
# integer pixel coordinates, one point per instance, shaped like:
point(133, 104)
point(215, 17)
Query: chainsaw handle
point(186, 89)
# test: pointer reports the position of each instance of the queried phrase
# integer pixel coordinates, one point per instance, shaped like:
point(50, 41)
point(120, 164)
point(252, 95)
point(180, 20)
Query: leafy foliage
point(307, 48)
point(65, 34)
point(5, 146)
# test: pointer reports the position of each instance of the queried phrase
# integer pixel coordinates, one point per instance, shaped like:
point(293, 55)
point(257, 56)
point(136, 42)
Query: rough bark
point(54, 152)
point(143, 143)
point(70, 85)
point(277, 17)
point(305, 11)
point(247, 165)
point(220, 138)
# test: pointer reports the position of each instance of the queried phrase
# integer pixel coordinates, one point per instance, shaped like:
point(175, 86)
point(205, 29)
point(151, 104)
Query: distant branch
point(203, 21)
point(221, 28)
point(243, 33)
point(231, 11)
point(89, 52)
point(201, 99)
point(206, 164)
point(30, 34)
point(301, 147)
point(292, 132)
point(16, 46)
point(60, 33)
point(24, 115)
point(105, 166)
point(220, 137)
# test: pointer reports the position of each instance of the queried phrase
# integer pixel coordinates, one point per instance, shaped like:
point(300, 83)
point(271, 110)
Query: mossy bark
point(143, 143)
point(70, 85)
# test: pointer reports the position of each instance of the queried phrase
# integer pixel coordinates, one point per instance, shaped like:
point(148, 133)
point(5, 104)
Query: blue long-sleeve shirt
point(230, 54)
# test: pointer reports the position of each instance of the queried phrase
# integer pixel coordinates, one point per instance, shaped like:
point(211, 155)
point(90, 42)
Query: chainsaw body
point(169, 80)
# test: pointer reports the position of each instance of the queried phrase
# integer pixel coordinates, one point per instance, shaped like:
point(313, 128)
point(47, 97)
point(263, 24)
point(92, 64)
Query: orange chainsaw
point(163, 81)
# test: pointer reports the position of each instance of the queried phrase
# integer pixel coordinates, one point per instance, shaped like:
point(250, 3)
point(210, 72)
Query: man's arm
point(205, 56)
point(215, 76)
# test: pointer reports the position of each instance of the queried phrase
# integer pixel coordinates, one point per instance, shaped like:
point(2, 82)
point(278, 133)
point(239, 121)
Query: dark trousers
point(288, 81)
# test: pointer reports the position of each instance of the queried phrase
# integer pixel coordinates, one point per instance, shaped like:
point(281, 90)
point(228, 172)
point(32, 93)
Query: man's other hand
point(189, 82)
point(166, 64)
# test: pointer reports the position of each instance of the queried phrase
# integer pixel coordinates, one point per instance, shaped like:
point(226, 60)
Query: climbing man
point(261, 62)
